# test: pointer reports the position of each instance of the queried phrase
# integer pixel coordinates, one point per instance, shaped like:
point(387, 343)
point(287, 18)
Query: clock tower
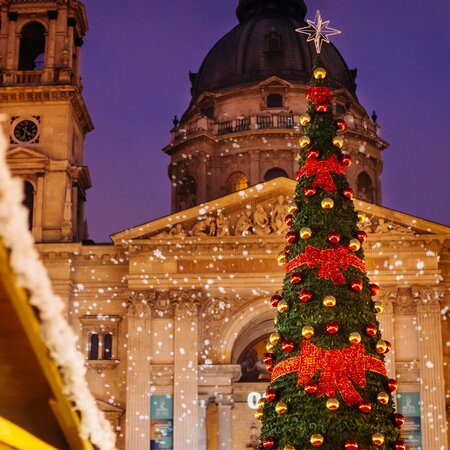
point(47, 119)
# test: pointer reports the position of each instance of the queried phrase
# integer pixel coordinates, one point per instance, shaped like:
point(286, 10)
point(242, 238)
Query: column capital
point(186, 302)
point(225, 400)
point(138, 304)
point(428, 298)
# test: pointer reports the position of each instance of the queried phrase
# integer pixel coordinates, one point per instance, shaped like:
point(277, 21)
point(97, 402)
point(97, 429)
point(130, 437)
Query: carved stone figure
point(279, 212)
point(382, 227)
point(244, 225)
point(222, 223)
point(261, 220)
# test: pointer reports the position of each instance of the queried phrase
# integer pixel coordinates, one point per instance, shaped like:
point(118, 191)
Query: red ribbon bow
point(319, 95)
point(330, 262)
point(321, 170)
point(337, 370)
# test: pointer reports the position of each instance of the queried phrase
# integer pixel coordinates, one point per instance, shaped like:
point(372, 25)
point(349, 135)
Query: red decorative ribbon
point(319, 95)
point(330, 262)
point(338, 368)
point(321, 170)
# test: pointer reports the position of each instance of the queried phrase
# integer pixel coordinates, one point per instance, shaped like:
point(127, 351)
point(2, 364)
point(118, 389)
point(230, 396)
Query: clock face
point(26, 130)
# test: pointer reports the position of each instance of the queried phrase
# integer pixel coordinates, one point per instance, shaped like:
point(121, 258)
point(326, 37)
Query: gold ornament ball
point(269, 347)
point(259, 415)
point(307, 331)
point(275, 320)
point(261, 402)
point(304, 141)
point(282, 306)
point(329, 301)
point(354, 338)
point(327, 203)
point(383, 398)
point(305, 233)
point(379, 308)
point(316, 440)
point(381, 346)
point(281, 258)
point(281, 408)
point(361, 216)
point(338, 141)
point(274, 338)
point(319, 73)
point(292, 209)
point(304, 119)
point(378, 439)
point(354, 245)
point(289, 447)
point(332, 404)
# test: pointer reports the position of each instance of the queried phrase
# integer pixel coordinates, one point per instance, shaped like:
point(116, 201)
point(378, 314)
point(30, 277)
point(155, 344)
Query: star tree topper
point(318, 31)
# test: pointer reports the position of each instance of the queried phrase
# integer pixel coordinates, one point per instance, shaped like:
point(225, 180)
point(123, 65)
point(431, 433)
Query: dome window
point(274, 42)
point(237, 181)
point(274, 101)
point(32, 47)
point(275, 172)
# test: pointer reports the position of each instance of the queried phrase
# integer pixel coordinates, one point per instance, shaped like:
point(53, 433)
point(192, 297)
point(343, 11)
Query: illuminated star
point(318, 31)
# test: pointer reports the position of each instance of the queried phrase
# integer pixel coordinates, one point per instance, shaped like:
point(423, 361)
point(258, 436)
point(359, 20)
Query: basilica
point(173, 315)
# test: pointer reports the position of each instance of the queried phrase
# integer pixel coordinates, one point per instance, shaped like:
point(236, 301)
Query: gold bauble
point(308, 331)
point(354, 338)
point(338, 141)
point(281, 408)
point(383, 398)
point(274, 338)
point(378, 439)
point(379, 308)
point(329, 301)
point(282, 306)
point(289, 447)
point(304, 141)
point(381, 346)
point(281, 258)
point(259, 415)
point(327, 203)
point(316, 440)
point(292, 209)
point(269, 347)
point(304, 119)
point(361, 216)
point(275, 320)
point(319, 73)
point(305, 233)
point(354, 245)
point(261, 402)
point(332, 404)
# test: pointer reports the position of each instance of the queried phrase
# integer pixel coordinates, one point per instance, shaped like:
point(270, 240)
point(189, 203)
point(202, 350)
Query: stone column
point(431, 364)
point(386, 319)
point(137, 434)
point(202, 178)
point(202, 437)
point(11, 48)
point(185, 427)
point(39, 208)
point(225, 425)
point(254, 167)
point(78, 44)
point(71, 23)
point(51, 36)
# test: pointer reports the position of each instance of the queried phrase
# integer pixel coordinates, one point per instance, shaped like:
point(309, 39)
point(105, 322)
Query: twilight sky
point(135, 65)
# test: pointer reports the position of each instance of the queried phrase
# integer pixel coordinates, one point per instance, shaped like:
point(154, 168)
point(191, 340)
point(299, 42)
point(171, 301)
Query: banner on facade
point(408, 404)
point(161, 422)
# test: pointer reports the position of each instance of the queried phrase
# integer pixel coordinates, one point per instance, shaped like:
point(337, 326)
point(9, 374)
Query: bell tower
point(40, 93)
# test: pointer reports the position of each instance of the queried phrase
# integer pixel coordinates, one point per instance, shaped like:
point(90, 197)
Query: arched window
point(93, 346)
point(187, 192)
point(237, 181)
point(28, 201)
point(274, 101)
point(365, 187)
point(32, 47)
point(107, 346)
point(275, 173)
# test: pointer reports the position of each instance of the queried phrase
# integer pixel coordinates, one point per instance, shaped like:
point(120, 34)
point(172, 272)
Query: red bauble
point(309, 191)
point(287, 346)
point(357, 285)
point(287, 250)
point(392, 385)
point(321, 107)
point(268, 359)
point(298, 175)
point(371, 329)
point(361, 236)
point(351, 444)
point(347, 160)
point(275, 299)
point(268, 443)
point(311, 387)
point(365, 407)
point(313, 153)
point(400, 445)
point(295, 278)
point(348, 192)
point(291, 237)
point(388, 347)
point(334, 237)
point(289, 219)
point(341, 125)
point(399, 420)
point(305, 295)
point(332, 327)
point(374, 289)
point(271, 395)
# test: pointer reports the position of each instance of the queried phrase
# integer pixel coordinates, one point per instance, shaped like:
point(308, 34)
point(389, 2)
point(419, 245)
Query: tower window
point(275, 173)
point(237, 181)
point(32, 47)
point(93, 346)
point(274, 101)
point(107, 346)
point(365, 187)
point(29, 202)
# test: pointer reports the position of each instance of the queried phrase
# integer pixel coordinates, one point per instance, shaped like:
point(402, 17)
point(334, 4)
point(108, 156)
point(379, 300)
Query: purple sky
point(135, 67)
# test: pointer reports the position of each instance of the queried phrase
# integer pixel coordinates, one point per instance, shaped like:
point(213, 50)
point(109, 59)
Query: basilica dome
point(265, 44)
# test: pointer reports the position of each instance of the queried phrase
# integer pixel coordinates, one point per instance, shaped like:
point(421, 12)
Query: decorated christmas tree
point(328, 386)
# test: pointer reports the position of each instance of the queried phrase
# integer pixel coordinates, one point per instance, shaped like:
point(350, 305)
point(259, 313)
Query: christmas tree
point(328, 387)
